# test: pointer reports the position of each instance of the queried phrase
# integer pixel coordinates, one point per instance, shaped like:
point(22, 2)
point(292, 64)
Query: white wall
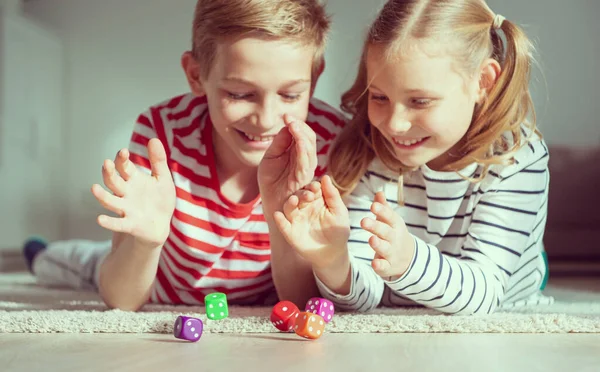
point(31, 167)
point(122, 56)
point(566, 88)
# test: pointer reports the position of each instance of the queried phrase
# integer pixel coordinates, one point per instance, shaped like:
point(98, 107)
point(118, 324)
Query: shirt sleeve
point(506, 222)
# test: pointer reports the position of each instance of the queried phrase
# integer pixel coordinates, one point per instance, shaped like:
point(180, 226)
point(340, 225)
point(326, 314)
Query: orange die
point(309, 325)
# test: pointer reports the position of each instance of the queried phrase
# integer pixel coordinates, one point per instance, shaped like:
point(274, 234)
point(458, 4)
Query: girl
point(443, 171)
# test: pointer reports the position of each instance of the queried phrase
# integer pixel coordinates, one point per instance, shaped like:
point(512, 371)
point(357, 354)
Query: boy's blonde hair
point(303, 21)
point(465, 26)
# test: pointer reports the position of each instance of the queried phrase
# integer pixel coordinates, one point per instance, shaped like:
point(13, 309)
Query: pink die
point(188, 328)
point(320, 306)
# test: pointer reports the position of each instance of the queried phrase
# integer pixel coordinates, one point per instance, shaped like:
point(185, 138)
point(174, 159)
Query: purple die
point(320, 306)
point(188, 328)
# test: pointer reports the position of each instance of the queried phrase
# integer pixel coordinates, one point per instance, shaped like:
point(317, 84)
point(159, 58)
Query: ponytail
point(508, 105)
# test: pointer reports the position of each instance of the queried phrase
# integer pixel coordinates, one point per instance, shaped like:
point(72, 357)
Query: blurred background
point(75, 74)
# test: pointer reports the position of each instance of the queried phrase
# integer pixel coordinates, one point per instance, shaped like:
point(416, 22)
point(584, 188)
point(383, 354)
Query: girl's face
point(421, 104)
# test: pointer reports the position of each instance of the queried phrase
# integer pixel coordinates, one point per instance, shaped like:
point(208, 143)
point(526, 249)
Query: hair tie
point(498, 20)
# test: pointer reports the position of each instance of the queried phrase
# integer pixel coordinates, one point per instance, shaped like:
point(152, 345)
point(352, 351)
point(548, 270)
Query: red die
point(284, 316)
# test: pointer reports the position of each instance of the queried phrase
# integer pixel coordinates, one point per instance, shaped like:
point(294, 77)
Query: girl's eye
point(378, 97)
point(239, 96)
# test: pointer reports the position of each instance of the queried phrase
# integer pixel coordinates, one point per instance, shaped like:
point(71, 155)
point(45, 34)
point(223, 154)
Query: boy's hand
point(289, 163)
point(144, 203)
point(315, 223)
point(394, 246)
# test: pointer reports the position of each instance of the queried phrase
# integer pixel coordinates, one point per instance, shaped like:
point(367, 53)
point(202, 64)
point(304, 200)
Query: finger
point(284, 226)
point(108, 201)
point(384, 213)
point(332, 196)
point(305, 197)
point(114, 224)
point(123, 165)
point(305, 145)
point(300, 129)
point(314, 187)
point(380, 198)
point(382, 267)
point(378, 228)
point(280, 145)
point(112, 179)
point(290, 206)
point(382, 247)
point(158, 159)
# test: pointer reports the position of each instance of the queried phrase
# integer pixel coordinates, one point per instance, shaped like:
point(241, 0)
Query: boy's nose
point(268, 115)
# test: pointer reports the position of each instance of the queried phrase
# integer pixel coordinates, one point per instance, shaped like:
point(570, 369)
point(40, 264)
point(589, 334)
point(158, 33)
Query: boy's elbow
point(116, 301)
point(119, 304)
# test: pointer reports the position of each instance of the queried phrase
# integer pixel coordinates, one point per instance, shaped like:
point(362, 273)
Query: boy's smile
point(252, 83)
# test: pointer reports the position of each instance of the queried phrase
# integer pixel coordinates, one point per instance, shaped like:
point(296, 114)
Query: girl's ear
point(191, 68)
point(489, 74)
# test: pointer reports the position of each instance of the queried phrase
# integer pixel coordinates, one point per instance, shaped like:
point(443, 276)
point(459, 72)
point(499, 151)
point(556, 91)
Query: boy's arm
point(292, 275)
point(128, 272)
point(288, 165)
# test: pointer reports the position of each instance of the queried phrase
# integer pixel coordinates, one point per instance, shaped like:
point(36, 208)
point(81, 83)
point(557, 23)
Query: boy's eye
point(239, 96)
point(291, 97)
point(422, 102)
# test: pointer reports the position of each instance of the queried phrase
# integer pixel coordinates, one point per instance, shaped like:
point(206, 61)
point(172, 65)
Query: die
point(321, 306)
point(283, 316)
point(216, 306)
point(309, 325)
point(188, 328)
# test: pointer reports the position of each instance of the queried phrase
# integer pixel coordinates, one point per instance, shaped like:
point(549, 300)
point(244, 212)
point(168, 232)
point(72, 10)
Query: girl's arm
point(351, 283)
point(506, 229)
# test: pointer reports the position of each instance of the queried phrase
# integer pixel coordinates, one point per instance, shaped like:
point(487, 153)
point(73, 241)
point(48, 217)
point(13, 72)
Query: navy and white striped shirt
point(478, 245)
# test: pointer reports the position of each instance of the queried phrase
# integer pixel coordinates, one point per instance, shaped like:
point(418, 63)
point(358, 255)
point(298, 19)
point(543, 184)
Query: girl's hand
point(144, 203)
point(315, 222)
point(394, 246)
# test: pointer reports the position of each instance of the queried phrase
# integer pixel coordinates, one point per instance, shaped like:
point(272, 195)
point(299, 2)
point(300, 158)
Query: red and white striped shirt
point(214, 244)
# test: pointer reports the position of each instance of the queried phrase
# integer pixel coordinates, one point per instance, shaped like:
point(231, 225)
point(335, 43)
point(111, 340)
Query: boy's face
point(252, 83)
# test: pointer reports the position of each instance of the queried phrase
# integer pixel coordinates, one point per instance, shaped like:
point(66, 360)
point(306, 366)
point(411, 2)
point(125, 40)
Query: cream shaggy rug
point(28, 308)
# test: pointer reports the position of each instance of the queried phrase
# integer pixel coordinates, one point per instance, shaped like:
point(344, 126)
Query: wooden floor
point(332, 352)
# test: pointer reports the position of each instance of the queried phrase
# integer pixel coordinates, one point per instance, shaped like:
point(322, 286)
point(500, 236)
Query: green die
point(216, 306)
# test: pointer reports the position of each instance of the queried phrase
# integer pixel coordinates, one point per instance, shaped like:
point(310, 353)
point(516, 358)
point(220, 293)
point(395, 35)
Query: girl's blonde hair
point(302, 21)
point(468, 26)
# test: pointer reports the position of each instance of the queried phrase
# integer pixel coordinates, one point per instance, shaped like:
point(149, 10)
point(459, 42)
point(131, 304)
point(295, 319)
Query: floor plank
point(333, 352)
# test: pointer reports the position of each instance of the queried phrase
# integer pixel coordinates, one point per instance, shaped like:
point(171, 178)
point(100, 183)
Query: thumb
point(158, 158)
point(332, 196)
point(280, 145)
point(380, 198)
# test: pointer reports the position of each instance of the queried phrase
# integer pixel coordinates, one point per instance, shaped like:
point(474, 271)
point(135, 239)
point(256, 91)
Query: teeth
point(408, 142)
point(258, 138)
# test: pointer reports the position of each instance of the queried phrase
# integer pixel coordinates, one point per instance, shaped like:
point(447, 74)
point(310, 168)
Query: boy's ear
point(191, 68)
point(490, 72)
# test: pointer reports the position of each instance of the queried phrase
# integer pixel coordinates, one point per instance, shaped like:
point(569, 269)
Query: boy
point(186, 193)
